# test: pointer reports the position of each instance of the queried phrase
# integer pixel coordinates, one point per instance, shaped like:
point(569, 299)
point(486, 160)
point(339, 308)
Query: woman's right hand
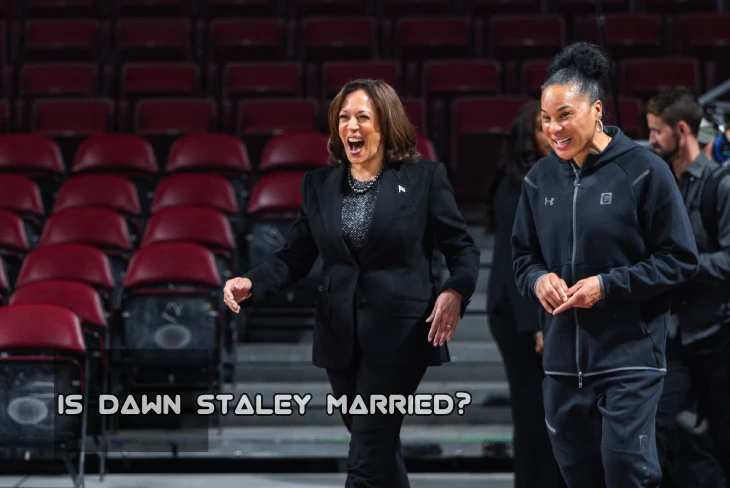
point(235, 291)
point(551, 290)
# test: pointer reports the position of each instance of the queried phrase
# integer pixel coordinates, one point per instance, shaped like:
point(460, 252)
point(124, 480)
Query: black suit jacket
point(390, 289)
point(503, 297)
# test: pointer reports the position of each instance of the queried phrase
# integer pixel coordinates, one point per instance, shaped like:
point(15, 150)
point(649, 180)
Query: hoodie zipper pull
point(580, 380)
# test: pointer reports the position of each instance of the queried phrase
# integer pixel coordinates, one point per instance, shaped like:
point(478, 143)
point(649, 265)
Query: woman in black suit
point(376, 216)
point(513, 319)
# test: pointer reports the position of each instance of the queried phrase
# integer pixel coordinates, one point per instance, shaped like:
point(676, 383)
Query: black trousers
point(604, 434)
point(701, 369)
point(375, 457)
point(534, 465)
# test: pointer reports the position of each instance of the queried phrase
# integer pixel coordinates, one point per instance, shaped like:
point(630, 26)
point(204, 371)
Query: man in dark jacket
point(700, 325)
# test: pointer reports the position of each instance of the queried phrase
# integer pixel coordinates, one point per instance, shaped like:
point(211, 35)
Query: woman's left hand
point(583, 294)
point(444, 317)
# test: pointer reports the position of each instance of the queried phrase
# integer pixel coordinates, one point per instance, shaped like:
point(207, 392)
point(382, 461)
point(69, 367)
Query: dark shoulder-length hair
point(396, 130)
point(518, 155)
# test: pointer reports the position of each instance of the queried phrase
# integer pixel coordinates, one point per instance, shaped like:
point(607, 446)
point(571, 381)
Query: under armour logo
point(549, 201)
point(606, 198)
point(401, 189)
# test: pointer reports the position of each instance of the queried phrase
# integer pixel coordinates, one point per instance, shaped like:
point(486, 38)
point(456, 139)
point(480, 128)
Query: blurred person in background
point(699, 331)
point(601, 238)
point(513, 319)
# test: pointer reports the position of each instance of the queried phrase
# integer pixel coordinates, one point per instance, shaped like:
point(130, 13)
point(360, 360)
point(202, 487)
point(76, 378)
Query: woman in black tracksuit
point(513, 319)
point(601, 238)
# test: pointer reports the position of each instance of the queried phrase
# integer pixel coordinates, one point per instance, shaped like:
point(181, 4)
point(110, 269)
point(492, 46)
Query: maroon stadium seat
point(76, 262)
point(707, 37)
point(335, 74)
point(521, 37)
point(421, 38)
point(222, 154)
point(83, 301)
point(42, 348)
point(327, 38)
point(633, 120)
point(113, 192)
point(201, 225)
point(153, 40)
point(159, 80)
point(98, 227)
point(295, 151)
point(162, 121)
point(198, 190)
point(246, 40)
point(173, 317)
point(479, 126)
point(643, 78)
point(212, 152)
point(72, 117)
point(22, 196)
point(445, 80)
point(274, 78)
point(257, 120)
point(276, 193)
point(425, 147)
point(35, 156)
point(61, 40)
point(175, 116)
point(14, 243)
point(58, 80)
point(628, 34)
point(534, 74)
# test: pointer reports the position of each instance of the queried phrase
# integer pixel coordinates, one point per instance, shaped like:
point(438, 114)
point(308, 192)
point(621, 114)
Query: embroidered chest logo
point(606, 198)
point(549, 201)
point(401, 189)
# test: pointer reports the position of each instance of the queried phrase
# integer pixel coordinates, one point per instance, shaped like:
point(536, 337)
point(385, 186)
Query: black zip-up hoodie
point(620, 217)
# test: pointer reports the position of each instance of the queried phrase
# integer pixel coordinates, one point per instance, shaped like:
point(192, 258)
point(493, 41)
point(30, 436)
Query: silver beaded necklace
point(351, 180)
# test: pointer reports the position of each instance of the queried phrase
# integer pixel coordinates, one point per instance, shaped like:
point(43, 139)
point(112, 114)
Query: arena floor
point(252, 481)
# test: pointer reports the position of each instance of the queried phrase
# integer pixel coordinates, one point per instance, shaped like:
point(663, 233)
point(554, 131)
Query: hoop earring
point(599, 126)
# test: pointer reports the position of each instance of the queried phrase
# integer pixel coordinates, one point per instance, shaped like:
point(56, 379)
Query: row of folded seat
point(321, 39)
point(295, 8)
point(437, 78)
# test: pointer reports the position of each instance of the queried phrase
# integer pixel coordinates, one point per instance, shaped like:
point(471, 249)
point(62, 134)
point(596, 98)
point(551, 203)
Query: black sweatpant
point(603, 434)
point(375, 458)
point(534, 465)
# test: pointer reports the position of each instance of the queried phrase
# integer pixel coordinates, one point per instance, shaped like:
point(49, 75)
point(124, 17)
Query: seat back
point(42, 355)
point(21, 195)
point(171, 306)
point(295, 151)
point(201, 225)
point(77, 262)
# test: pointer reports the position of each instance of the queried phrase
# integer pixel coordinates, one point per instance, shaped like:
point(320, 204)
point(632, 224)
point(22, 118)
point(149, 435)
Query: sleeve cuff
point(603, 288)
point(534, 287)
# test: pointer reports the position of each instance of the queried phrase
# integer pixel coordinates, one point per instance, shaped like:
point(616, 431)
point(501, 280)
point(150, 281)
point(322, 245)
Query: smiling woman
point(376, 215)
point(601, 239)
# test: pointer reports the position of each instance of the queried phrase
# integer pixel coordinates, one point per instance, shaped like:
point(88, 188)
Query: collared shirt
point(701, 306)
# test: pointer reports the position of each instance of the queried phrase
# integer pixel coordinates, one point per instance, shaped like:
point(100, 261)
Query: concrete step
point(263, 362)
point(315, 441)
